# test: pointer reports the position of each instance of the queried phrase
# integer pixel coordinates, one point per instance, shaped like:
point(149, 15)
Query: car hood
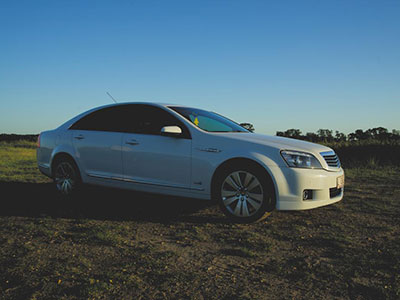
point(281, 143)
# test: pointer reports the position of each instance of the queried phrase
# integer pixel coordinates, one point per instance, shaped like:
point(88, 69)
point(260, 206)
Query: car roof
point(158, 104)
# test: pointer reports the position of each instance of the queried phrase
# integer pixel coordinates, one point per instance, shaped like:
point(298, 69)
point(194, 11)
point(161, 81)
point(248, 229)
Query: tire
point(244, 192)
point(66, 177)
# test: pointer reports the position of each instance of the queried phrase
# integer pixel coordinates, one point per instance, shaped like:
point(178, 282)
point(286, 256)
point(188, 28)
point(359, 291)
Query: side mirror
point(247, 126)
point(171, 130)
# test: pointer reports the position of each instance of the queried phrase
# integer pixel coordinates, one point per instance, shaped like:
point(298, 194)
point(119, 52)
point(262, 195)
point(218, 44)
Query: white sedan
point(189, 152)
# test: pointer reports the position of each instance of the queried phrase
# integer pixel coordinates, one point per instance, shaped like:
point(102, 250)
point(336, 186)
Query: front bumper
point(291, 183)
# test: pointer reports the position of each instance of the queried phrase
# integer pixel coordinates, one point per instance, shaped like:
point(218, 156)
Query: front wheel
point(66, 177)
point(245, 193)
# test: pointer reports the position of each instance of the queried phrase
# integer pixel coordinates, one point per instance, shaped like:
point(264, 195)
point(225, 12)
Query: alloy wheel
point(65, 178)
point(242, 194)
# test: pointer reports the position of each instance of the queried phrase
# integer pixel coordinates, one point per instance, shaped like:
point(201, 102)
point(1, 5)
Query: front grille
point(334, 192)
point(331, 159)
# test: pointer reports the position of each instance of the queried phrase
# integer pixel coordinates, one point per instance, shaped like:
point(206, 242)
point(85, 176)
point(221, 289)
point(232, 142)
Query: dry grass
point(18, 162)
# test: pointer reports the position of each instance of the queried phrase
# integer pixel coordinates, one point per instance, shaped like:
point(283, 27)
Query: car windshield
point(208, 121)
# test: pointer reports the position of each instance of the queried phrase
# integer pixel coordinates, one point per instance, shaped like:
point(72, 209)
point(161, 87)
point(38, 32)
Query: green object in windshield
point(208, 121)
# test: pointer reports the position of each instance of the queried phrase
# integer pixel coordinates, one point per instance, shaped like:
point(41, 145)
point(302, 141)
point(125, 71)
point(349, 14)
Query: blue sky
point(276, 64)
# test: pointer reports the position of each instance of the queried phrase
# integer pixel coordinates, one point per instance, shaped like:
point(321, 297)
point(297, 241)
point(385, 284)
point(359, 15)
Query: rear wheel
point(245, 193)
point(66, 176)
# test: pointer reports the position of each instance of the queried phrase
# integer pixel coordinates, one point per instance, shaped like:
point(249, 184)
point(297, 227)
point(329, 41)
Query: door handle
point(132, 142)
point(79, 137)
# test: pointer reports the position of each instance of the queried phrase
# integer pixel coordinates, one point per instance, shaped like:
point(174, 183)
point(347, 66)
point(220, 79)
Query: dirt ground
point(110, 244)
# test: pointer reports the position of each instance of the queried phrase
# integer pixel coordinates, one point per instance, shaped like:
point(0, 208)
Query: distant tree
point(379, 133)
point(248, 126)
point(280, 133)
point(352, 137)
point(361, 135)
point(395, 135)
point(312, 137)
point(340, 137)
point(18, 137)
point(293, 133)
point(325, 135)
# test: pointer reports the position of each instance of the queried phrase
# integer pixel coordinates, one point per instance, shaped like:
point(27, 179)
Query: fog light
point(307, 194)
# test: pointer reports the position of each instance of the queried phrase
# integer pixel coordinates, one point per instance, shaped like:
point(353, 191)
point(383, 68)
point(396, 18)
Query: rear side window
point(106, 119)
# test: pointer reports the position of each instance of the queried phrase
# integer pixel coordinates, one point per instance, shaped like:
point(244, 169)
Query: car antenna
point(111, 97)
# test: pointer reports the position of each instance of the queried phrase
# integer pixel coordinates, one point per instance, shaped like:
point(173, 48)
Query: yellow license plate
point(340, 182)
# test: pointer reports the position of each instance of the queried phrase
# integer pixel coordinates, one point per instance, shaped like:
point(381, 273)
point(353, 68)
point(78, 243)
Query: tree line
point(18, 137)
point(380, 134)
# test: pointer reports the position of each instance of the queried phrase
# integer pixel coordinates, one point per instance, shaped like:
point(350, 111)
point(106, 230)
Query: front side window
point(151, 119)
point(208, 121)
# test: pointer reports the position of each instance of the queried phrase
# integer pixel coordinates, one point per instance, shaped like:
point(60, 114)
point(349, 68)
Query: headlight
point(297, 159)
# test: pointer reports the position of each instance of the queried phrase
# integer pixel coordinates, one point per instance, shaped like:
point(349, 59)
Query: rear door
point(97, 141)
point(151, 158)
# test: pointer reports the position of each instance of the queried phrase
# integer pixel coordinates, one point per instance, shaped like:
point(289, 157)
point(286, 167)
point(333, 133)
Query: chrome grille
point(331, 159)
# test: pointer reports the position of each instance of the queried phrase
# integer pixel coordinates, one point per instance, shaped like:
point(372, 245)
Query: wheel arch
point(244, 160)
point(60, 155)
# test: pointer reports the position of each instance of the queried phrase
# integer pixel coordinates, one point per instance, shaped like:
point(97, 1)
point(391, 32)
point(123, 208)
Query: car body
point(175, 150)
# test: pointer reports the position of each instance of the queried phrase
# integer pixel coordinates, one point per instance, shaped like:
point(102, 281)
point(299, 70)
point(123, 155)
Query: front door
point(152, 158)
